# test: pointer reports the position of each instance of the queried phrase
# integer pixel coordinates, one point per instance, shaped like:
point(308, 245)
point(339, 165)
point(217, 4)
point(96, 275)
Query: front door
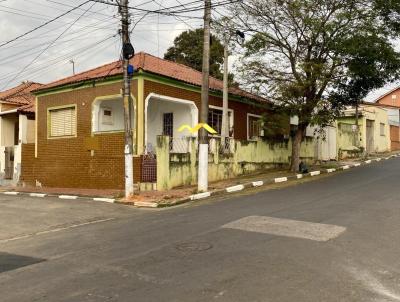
point(9, 162)
point(370, 136)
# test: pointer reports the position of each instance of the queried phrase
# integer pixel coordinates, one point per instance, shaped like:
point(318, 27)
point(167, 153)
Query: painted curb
point(315, 173)
point(37, 195)
point(280, 179)
point(11, 193)
point(299, 176)
point(345, 167)
point(330, 170)
point(110, 200)
point(257, 183)
point(235, 188)
point(200, 196)
point(68, 197)
point(146, 204)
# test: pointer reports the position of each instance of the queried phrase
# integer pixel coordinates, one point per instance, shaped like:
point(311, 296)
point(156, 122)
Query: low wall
point(174, 170)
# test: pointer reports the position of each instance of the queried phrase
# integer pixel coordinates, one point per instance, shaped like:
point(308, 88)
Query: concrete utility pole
point(225, 117)
point(127, 53)
point(203, 135)
point(73, 66)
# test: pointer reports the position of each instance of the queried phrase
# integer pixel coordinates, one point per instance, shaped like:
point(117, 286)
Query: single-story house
point(79, 132)
point(373, 135)
point(17, 127)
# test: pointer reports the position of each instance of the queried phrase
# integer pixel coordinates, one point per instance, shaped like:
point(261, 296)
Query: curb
point(260, 183)
point(61, 196)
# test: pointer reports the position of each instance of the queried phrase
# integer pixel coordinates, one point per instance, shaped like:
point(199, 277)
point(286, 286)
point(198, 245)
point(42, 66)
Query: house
point(390, 101)
point(17, 124)
point(373, 135)
point(79, 131)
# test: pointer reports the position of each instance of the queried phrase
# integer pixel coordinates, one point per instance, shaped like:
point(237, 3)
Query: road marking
point(330, 170)
point(67, 197)
point(315, 173)
point(11, 193)
point(257, 183)
point(235, 188)
point(55, 230)
point(287, 228)
point(280, 179)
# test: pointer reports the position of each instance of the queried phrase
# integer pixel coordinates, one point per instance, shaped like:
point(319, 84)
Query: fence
point(226, 160)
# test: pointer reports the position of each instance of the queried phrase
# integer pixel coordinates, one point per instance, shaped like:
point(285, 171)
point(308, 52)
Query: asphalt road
point(336, 239)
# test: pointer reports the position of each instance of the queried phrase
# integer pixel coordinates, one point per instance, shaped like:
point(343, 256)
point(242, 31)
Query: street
point(334, 238)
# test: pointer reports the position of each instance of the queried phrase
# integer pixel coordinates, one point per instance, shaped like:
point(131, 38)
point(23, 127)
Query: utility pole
point(203, 135)
point(225, 118)
point(127, 53)
point(73, 66)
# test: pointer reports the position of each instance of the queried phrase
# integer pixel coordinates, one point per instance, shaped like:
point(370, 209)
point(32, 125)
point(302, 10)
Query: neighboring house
point(17, 124)
point(80, 128)
point(390, 101)
point(373, 135)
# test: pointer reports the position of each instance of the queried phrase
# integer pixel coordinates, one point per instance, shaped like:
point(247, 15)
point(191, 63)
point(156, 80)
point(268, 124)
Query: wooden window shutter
point(63, 122)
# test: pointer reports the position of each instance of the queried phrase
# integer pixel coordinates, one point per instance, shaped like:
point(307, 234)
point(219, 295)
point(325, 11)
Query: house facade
point(373, 131)
point(390, 101)
point(79, 131)
point(17, 125)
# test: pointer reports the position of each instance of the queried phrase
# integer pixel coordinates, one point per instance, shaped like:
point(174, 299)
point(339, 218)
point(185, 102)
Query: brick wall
point(392, 99)
point(67, 162)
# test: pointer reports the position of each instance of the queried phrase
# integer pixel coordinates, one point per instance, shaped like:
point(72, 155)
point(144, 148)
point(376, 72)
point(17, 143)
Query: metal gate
point(149, 167)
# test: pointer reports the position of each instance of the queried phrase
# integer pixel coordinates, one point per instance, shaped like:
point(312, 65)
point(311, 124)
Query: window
point(107, 116)
point(382, 129)
point(168, 124)
point(62, 122)
point(215, 120)
point(255, 126)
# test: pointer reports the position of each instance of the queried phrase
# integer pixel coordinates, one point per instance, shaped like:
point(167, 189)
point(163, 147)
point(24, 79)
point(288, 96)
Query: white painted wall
point(7, 130)
point(117, 107)
point(326, 146)
point(182, 114)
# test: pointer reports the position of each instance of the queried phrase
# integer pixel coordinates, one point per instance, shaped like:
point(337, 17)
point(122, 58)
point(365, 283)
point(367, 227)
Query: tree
point(308, 55)
point(188, 49)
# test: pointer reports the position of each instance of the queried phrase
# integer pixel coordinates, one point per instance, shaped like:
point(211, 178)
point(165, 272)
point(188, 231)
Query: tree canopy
point(188, 50)
point(312, 57)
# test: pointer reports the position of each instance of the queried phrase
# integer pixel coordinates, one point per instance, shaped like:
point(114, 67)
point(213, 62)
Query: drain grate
point(193, 246)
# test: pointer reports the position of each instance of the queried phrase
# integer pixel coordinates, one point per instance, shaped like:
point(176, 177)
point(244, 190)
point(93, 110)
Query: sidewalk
point(180, 195)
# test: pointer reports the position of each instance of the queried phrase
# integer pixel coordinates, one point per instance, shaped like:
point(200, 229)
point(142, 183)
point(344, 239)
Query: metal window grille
point(215, 119)
point(168, 124)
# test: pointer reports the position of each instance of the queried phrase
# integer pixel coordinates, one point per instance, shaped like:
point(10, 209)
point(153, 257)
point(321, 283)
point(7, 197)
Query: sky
point(87, 35)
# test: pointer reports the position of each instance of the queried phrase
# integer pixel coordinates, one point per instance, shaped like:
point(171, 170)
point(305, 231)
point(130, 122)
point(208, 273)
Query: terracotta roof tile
point(150, 64)
point(20, 95)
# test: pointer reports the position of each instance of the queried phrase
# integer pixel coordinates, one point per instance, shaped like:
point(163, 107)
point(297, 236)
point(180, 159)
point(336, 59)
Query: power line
point(44, 24)
point(59, 36)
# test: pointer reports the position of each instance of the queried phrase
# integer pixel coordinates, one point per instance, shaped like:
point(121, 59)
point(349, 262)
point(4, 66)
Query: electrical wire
point(44, 24)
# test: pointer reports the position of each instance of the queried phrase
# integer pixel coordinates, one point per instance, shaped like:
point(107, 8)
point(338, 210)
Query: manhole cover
point(194, 246)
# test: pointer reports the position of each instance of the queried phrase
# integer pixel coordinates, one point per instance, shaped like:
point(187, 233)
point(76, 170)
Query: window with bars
point(382, 129)
point(168, 124)
point(215, 120)
point(62, 122)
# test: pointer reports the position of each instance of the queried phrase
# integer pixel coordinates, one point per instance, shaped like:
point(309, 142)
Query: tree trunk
point(295, 161)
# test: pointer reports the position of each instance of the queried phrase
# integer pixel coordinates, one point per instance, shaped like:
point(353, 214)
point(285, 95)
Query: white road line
point(67, 197)
point(56, 230)
point(287, 228)
point(235, 188)
point(257, 183)
point(315, 173)
point(280, 179)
